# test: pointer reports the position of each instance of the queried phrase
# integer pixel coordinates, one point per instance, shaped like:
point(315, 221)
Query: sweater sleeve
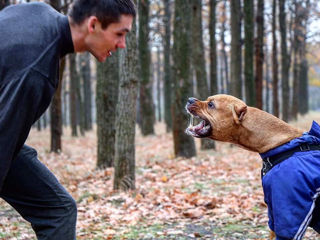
point(22, 100)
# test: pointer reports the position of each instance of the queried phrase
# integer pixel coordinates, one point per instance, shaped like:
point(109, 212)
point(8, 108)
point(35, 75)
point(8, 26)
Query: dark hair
point(107, 11)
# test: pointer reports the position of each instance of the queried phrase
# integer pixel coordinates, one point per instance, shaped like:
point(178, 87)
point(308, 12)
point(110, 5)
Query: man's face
point(102, 42)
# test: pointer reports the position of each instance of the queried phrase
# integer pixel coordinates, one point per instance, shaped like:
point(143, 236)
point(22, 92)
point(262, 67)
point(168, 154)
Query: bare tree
point(275, 97)
point(167, 65)
point(124, 175)
point(285, 61)
point(249, 52)
point(259, 53)
point(183, 144)
point(236, 47)
point(106, 102)
point(147, 115)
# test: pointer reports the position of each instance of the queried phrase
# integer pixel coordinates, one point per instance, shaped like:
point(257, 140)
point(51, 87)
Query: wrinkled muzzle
point(202, 129)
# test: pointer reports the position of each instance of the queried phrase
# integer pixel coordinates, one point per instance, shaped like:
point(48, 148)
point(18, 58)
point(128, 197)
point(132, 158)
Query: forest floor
point(216, 195)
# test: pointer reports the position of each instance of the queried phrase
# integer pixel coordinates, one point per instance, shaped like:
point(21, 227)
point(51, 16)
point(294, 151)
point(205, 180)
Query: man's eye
point(210, 105)
point(119, 34)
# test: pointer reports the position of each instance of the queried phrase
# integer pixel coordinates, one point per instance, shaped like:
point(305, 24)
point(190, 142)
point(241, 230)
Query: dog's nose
point(192, 100)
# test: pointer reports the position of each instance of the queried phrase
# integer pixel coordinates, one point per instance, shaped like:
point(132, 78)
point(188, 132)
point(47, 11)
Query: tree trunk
point(285, 61)
point(44, 116)
point(106, 102)
point(249, 52)
point(259, 54)
point(225, 82)
point(183, 144)
point(38, 123)
point(303, 76)
point(56, 113)
point(199, 61)
point(85, 71)
point(80, 102)
point(124, 176)
point(158, 77)
point(295, 91)
point(73, 94)
point(213, 48)
point(167, 65)
point(297, 37)
point(275, 97)
point(65, 112)
point(236, 47)
point(304, 81)
point(267, 80)
point(56, 118)
point(146, 102)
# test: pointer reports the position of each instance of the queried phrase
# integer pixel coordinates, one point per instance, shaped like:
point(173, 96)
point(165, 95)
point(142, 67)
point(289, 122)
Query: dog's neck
point(264, 132)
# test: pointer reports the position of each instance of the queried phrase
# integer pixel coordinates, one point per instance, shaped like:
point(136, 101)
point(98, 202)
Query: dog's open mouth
point(201, 130)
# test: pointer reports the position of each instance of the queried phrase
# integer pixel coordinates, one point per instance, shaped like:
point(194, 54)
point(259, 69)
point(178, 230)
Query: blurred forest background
point(265, 52)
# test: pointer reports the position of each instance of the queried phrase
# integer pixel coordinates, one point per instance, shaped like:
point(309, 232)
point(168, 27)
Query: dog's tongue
point(196, 127)
point(199, 126)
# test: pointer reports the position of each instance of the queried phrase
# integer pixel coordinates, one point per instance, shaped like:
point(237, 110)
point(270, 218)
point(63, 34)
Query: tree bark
point(199, 61)
point(106, 102)
point(167, 65)
point(236, 47)
point(146, 102)
point(73, 94)
point(259, 54)
point(285, 61)
point(56, 118)
point(80, 101)
point(225, 84)
point(124, 176)
point(65, 97)
point(213, 48)
point(275, 80)
point(249, 52)
point(303, 76)
point(158, 77)
point(183, 144)
point(56, 112)
point(85, 71)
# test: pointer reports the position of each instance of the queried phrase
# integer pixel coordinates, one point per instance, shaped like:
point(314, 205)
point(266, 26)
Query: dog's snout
point(192, 100)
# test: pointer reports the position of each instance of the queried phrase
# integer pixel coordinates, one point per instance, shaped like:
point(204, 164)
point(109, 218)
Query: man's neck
point(78, 33)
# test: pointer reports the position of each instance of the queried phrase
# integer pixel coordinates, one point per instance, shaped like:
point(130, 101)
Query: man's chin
point(101, 58)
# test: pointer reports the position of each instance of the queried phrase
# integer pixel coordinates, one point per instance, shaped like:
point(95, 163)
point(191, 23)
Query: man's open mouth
point(201, 130)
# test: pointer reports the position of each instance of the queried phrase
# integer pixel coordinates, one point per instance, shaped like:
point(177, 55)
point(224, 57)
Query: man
point(33, 38)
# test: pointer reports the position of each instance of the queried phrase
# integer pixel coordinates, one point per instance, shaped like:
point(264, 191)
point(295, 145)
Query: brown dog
point(228, 119)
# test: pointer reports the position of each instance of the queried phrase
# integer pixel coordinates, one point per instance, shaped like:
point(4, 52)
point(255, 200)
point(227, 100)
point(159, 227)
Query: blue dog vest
point(292, 187)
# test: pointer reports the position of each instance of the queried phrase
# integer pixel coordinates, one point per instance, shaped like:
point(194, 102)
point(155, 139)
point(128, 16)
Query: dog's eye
point(210, 104)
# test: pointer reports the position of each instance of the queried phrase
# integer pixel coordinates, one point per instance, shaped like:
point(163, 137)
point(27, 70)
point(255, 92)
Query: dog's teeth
point(191, 121)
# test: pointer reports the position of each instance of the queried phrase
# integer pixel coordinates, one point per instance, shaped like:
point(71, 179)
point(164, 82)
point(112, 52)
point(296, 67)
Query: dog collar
point(269, 162)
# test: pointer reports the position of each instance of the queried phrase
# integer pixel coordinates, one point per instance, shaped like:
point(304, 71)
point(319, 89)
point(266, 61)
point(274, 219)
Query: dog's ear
point(238, 112)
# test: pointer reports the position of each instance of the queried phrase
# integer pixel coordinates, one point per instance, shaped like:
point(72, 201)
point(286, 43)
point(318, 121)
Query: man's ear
point(92, 23)
point(238, 112)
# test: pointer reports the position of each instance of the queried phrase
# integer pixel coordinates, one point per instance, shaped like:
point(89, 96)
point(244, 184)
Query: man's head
point(100, 26)
point(106, 11)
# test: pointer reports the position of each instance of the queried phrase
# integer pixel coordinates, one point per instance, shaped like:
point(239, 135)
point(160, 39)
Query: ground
point(216, 195)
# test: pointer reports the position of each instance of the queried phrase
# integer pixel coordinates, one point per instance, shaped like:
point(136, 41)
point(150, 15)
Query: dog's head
point(220, 115)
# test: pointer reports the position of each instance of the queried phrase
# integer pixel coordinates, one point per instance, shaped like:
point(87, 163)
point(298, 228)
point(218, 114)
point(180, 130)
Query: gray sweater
point(33, 38)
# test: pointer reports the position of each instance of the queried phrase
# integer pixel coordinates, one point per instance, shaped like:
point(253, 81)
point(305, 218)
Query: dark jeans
point(38, 196)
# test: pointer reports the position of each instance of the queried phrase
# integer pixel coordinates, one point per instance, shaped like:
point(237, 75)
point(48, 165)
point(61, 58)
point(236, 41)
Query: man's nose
point(122, 43)
point(192, 100)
